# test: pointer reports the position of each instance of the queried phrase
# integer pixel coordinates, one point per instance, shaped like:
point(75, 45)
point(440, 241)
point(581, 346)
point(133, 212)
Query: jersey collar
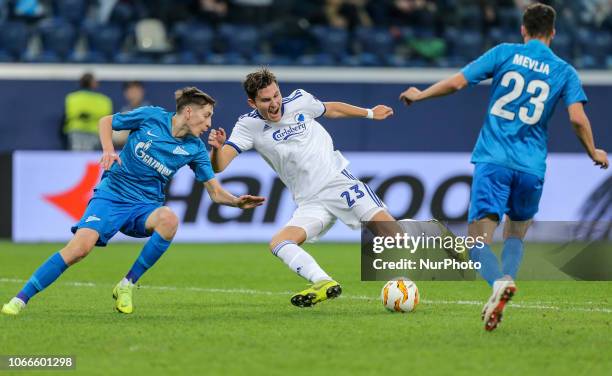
point(537, 43)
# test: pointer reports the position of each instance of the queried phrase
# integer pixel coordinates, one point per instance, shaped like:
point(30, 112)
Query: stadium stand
point(423, 33)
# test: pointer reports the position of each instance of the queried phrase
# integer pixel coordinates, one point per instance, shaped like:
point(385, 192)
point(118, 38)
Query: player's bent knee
point(80, 246)
point(167, 221)
point(273, 243)
point(276, 241)
point(77, 251)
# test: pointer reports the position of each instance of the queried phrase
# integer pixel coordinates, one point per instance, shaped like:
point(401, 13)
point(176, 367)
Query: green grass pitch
point(223, 309)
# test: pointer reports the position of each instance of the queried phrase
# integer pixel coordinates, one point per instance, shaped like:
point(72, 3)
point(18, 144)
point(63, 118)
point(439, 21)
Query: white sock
point(125, 282)
point(300, 261)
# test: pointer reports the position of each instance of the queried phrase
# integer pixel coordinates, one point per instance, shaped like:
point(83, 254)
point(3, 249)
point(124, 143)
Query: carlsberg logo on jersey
point(285, 133)
point(140, 151)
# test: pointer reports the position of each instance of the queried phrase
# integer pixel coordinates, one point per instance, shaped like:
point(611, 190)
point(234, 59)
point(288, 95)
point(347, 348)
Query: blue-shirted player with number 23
point(510, 154)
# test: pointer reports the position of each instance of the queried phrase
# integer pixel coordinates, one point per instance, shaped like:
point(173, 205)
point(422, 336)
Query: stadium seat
point(58, 38)
point(509, 20)
point(134, 58)
point(272, 60)
point(375, 41)
point(240, 39)
point(498, 35)
point(594, 46)
point(73, 11)
point(179, 58)
point(468, 45)
point(562, 46)
point(103, 43)
point(470, 18)
point(316, 60)
point(363, 60)
point(451, 34)
point(150, 35)
point(14, 40)
point(332, 41)
point(226, 59)
point(398, 61)
point(193, 41)
point(424, 32)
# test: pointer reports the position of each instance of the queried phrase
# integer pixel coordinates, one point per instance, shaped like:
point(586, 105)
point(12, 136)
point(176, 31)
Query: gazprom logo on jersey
point(140, 151)
point(285, 133)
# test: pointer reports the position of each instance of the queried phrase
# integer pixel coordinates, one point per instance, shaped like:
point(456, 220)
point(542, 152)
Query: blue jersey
point(151, 157)
point(528, 81)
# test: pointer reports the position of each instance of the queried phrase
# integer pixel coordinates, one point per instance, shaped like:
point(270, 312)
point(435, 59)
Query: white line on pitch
point(535, 305)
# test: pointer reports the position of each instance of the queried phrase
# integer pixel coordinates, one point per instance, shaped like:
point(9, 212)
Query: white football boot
point(503, 290)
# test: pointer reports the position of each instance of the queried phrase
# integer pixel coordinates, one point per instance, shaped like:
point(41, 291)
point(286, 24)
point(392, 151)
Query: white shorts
point(345, 198)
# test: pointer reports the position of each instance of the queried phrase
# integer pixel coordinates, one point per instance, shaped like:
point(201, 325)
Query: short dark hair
point(192, 95)
point(87, 81)
point(129, 84)
point(539, 20)
point(258, 80)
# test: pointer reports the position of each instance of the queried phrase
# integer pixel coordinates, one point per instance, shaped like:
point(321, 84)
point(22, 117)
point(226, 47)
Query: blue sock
point(151, 252)
point(512, 256)
point(489, 265)
point(45, 275)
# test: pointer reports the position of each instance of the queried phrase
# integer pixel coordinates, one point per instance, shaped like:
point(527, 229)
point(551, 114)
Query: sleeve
point(201, 166)
point(241, 138)
point(572, 90)
point(312, 105)
point(131, 120)
point(483, 67)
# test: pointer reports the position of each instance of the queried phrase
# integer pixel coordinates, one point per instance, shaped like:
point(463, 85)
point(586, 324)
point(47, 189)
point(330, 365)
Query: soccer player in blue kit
point(130, 195)
point(510, 154)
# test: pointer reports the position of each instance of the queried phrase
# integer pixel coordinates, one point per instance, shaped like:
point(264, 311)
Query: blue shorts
point(500, 190)
point(108, 216)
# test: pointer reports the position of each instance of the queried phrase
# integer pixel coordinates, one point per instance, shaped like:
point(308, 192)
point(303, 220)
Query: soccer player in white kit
point(286, 133)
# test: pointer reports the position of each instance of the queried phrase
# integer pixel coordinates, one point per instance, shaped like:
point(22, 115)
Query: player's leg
point(309, 222)
point(512, 253)
point(162, 223)
point(503, 286)
point(522, 207)
point(484, 229)
point(286, 245)
point(492, 191)
point(77, 248)
point(381, 223)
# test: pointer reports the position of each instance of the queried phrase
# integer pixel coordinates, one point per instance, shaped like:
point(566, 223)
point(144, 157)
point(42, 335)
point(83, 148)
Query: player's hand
point(410, 95)
point(249, 202)
point(217, 137)
point(108, 158)
point(382, 112)
point(600, 158)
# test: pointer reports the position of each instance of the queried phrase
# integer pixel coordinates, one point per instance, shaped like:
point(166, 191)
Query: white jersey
point(297, 147)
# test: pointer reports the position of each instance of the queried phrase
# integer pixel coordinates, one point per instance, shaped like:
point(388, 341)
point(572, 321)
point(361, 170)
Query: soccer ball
point(400, 295)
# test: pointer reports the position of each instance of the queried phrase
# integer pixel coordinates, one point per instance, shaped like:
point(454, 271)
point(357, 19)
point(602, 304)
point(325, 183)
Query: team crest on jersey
point(299, 118)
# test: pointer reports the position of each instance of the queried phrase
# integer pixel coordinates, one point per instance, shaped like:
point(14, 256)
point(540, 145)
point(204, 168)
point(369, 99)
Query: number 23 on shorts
point(347, 195)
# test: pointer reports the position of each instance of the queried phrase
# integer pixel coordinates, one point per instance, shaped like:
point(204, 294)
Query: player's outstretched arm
point(109, 156)
point(220, 154)
point(439, 89)
point(334, 110)
point(582, 127)
point(219, 195)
